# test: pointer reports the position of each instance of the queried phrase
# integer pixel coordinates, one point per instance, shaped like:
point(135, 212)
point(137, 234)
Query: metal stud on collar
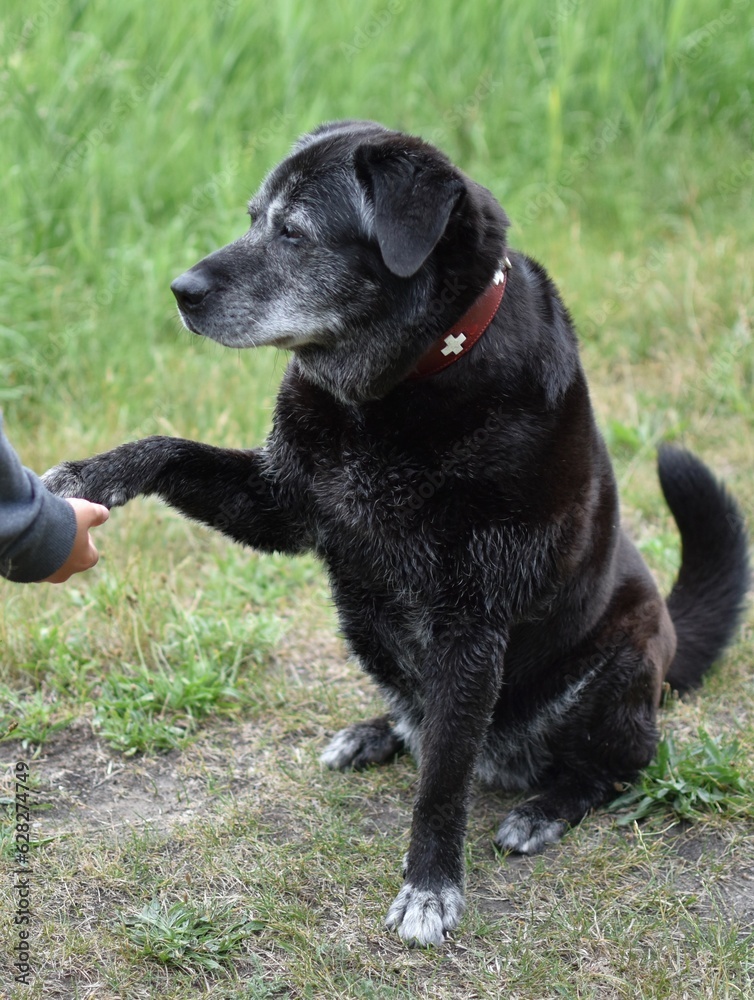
point(499, 276)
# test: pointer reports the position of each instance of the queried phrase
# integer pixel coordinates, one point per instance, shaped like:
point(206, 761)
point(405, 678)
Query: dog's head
point(364, 245)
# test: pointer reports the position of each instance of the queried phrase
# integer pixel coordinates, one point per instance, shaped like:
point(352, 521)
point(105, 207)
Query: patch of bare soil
point(734, 889)
point(84, 786)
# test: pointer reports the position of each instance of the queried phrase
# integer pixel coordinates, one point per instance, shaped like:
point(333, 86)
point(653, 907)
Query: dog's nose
point(191, 288)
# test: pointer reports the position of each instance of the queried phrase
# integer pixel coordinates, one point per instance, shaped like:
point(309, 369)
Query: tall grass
point(132, 135)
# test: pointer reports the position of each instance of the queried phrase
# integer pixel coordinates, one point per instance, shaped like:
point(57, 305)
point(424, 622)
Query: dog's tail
point(707, 599)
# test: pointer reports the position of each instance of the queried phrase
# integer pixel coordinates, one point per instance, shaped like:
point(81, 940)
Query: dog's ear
point(413, 194)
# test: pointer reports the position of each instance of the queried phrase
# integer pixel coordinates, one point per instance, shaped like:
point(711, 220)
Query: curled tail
point(707, 599)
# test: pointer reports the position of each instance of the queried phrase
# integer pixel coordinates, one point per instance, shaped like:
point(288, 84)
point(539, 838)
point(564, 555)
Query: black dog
point(434, 443)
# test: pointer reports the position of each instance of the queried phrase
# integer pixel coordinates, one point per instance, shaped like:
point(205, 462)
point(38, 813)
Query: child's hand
point(84, 554)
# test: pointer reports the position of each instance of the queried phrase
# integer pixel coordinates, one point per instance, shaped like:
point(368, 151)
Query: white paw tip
point(340, 751)
point(424, 917)
point(528, 836)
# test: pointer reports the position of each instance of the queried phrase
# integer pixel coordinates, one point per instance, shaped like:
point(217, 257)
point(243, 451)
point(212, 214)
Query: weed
point(187, 935)
point(32, 719)
point(689, 782)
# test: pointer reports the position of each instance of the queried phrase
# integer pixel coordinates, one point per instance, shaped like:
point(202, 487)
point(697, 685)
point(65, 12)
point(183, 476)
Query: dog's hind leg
point(362, 744)
point(606, 739)
point(543, 820)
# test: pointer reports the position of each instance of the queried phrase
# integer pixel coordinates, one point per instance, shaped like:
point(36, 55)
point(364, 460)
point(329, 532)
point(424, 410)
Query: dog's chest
point(351, 474)
point(361, 508)
point(387, 499)
point(360, 489)
point(357, 487)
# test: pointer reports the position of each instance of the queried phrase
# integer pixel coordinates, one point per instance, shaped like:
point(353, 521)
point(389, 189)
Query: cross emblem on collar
point(453, 345)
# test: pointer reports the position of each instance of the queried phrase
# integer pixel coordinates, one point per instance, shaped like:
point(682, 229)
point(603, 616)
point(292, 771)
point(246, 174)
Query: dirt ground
point(88, 789)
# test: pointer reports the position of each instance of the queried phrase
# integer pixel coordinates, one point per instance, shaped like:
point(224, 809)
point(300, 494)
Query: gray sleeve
point(37, 529)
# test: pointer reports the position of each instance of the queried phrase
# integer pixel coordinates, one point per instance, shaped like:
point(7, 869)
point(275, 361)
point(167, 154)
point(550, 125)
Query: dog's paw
point(65, 480)
point(364, 743)
point(76, 479)
point(528, 830)
point(423, 917)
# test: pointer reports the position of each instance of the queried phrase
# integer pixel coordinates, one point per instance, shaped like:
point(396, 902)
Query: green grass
point(173, 702)
point(686, 783)
point(187, 935)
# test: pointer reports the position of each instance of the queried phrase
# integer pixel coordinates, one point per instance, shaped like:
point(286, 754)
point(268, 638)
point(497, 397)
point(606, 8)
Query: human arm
point(41, 536)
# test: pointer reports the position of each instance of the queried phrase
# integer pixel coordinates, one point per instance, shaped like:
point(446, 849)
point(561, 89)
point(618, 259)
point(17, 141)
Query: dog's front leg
point(460, 690)
point(233, 491)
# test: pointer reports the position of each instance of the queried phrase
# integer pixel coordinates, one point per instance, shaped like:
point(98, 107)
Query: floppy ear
point(413, 195)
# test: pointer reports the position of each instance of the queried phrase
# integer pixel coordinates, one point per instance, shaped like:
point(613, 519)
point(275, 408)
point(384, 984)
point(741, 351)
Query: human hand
point(84, 554)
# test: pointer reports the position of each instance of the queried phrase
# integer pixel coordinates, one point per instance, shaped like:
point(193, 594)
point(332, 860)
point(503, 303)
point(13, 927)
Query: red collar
point(462, 336)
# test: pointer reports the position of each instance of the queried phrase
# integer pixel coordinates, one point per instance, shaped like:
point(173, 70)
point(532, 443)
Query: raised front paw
point(528, 830)
point(364, 743)
point(88, 479)
point(425, 916)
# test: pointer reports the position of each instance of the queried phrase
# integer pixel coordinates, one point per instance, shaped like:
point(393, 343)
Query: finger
point(88, 513)
point(92, 555)
point(98, 515)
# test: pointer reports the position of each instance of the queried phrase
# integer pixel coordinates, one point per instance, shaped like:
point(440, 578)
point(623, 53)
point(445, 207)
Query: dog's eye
point(291, 233)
